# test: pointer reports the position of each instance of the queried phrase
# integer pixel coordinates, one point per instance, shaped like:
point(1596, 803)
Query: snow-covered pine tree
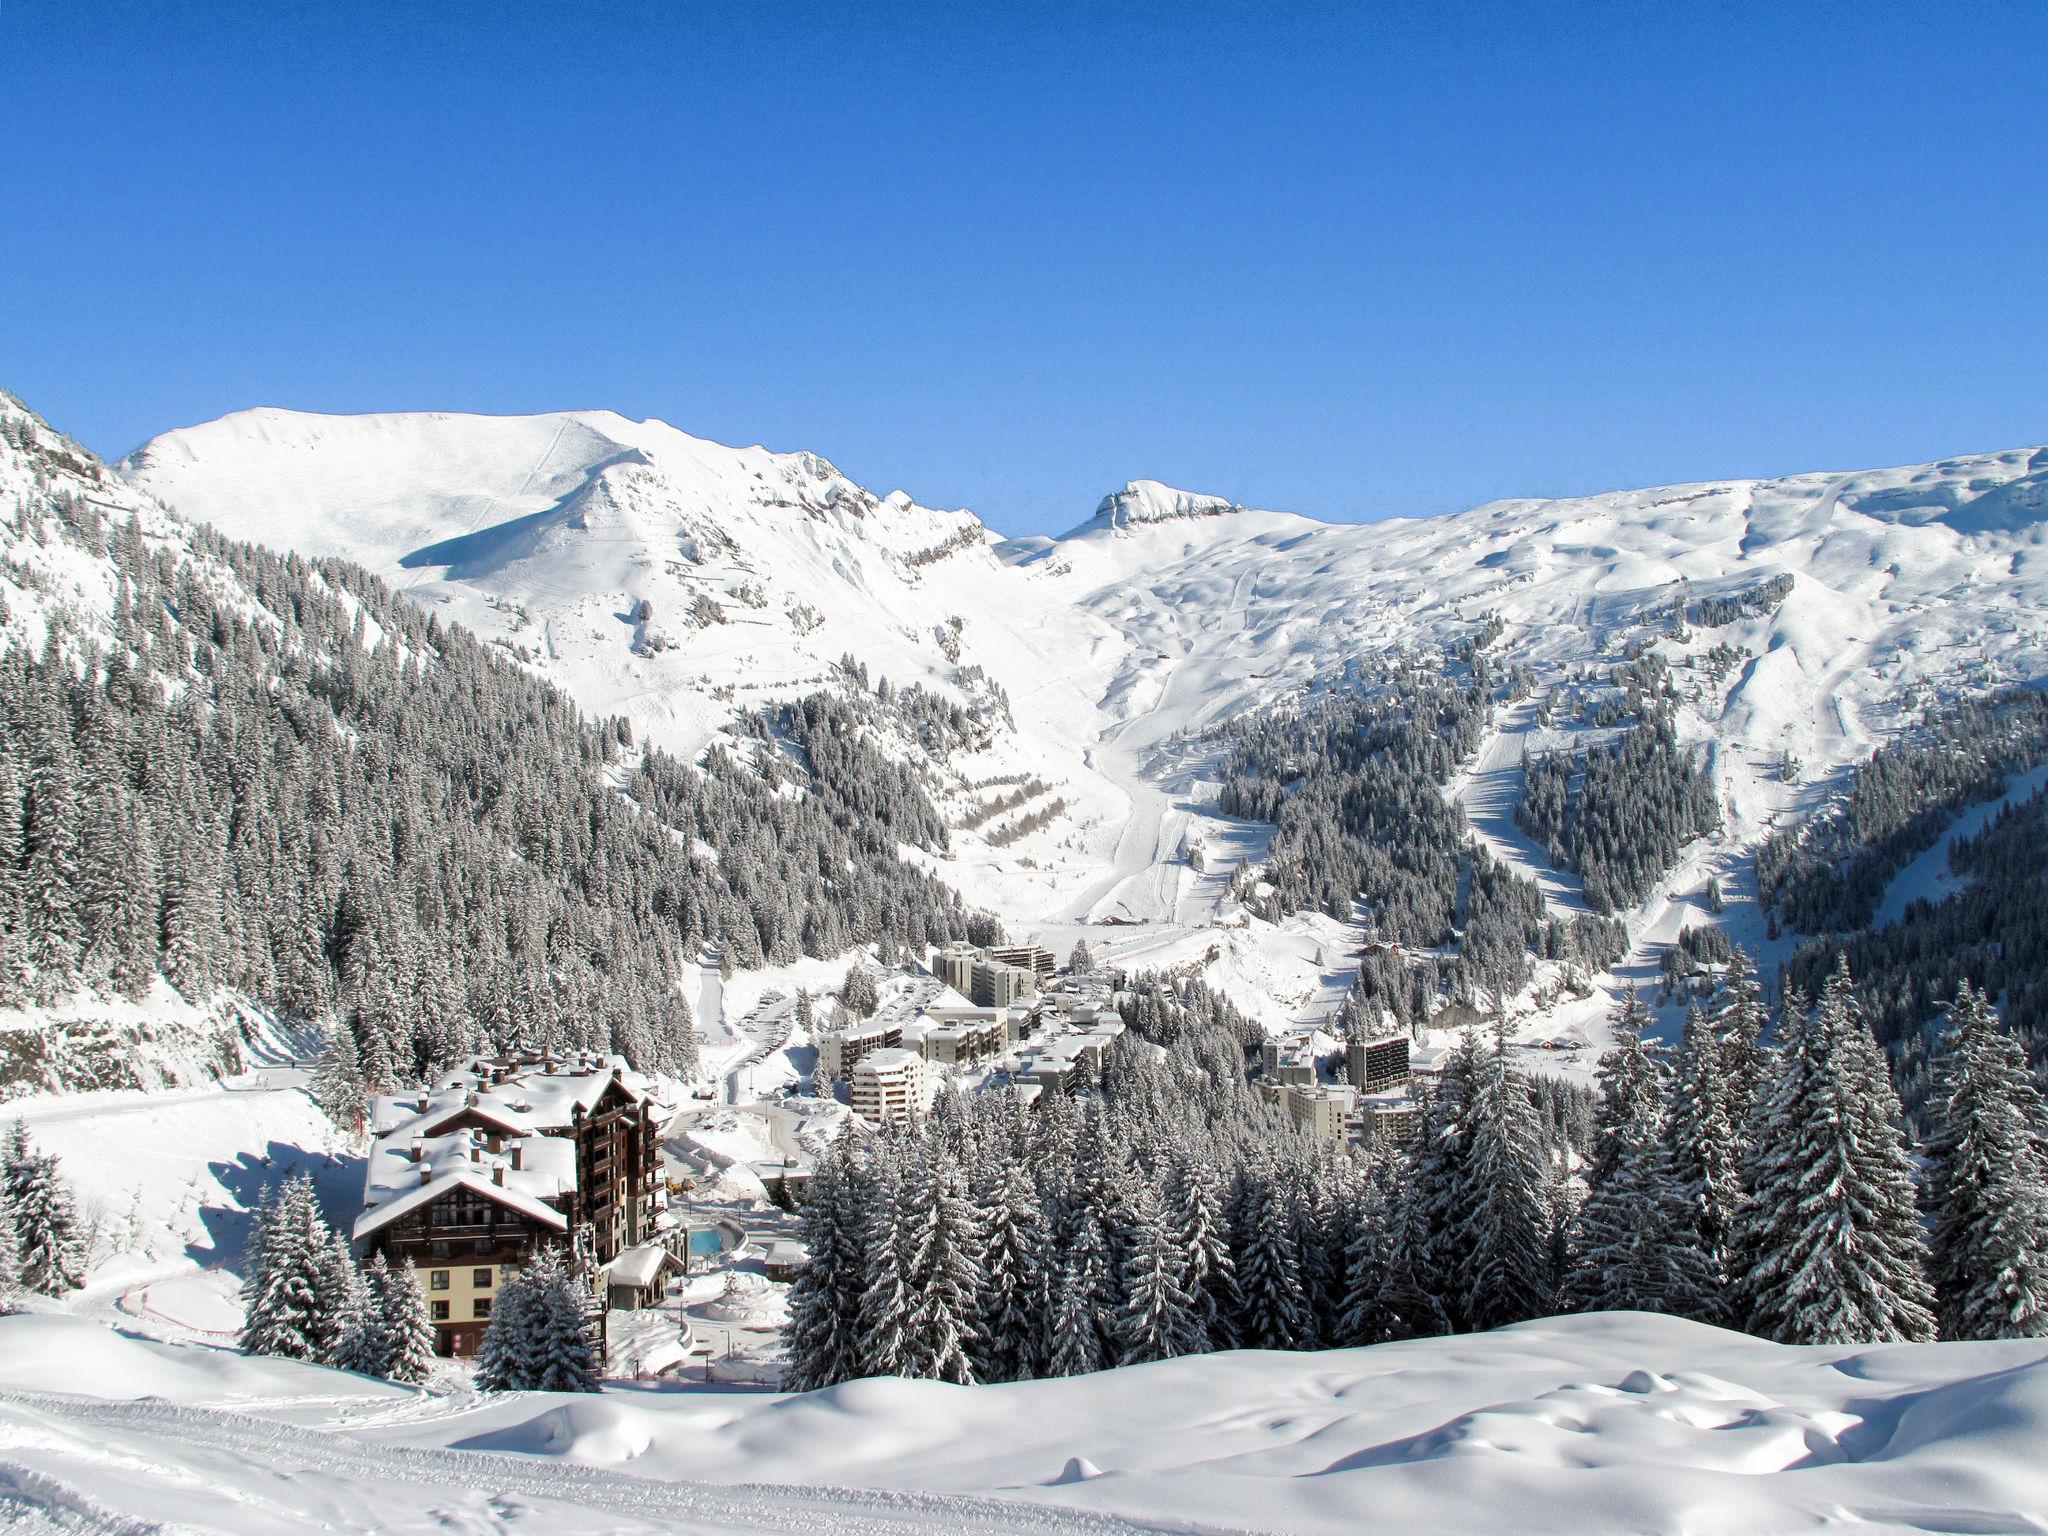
point(1737, 1017)
point(821, 1338)
point(539, 1335)
point(1155, 1321)
point(1703, 1147)
point(1194, 1207)
point(337, 1085)
point(1366, 1242)
point(1987, 1180)
point(363, 1333)
point(1627, 1254)
point(1273, 1315)
point(1437, 1197)
point(10, 1254)
point(859, 994)
point(506, 1360)
point(1015, 1300)
point(1502, 1238)
point(942, 1270)
point(1828, 1206)
point(559, 1313)
point(1076, 1339)
point(408, 1327)
point(46, 1232)
point(884, 1310)
point(291, 1301)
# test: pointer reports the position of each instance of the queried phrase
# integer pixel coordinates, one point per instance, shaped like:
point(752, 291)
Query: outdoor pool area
point(709, 1241)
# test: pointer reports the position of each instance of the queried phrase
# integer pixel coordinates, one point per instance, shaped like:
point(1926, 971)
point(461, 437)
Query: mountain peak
point(1148, 501)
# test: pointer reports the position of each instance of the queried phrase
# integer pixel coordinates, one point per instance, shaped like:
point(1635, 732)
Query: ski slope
point(1614, 1423)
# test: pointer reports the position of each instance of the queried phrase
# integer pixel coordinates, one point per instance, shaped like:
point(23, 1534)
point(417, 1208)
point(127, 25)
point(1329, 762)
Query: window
point(438, 1311)
point(437, 1279)
point(481, 1279)
point(481, 1307)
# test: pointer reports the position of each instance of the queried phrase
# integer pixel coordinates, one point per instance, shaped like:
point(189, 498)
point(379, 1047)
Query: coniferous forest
point(275, 776)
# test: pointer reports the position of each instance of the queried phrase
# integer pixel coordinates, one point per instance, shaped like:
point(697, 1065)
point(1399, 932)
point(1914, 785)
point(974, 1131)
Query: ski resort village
point(1370, 858)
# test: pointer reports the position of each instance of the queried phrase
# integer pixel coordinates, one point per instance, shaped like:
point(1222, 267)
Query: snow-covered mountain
point(676, 581)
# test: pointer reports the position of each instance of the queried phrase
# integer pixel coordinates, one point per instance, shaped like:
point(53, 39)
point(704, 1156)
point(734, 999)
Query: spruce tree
point(10, 1254)
point(1703, 1147)
point(884, 1309)
point(294, 1293)
point(558, 1315)
point(337, 1085)
point(1155, 1321)
point(1829, 1201)
point(1502, 1239)
point(1268, 1267)
point(942, 1271)
point(820, 1338)
point(408, 1327)
point(46, 1231)
point(1015, 1303)
point(1987, 1181)
point(1628, 1253)
point(1194, 1199)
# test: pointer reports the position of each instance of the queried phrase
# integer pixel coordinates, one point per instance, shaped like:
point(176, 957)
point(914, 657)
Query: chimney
point(426, 1175)
point(416, 1149)
point(518, 1156)
point(423, 1104)
point(498, 1173)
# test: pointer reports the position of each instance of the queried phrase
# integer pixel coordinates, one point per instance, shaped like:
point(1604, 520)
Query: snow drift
point(1621, 1422)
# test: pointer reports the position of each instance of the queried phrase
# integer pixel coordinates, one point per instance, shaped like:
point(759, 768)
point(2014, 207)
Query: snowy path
point(1491, 787)
point(1927, 878)
point(116, 1466)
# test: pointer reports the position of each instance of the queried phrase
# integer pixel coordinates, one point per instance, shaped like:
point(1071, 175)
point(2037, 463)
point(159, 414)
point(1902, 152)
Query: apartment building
point(1378, 1064)
point(888, 1087)
point(840, 1050)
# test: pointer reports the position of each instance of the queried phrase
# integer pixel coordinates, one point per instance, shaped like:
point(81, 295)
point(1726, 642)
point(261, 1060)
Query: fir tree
point(1704, 1143)
point(337, 1085)
point(1209, 1272)
point(942, 1271)
point(408, 1328)
point(1268, 1267)
point(1155, 1321)
point(1015, 1302)
point(539, 1339)
point(45, 1220)
point(1502, 1240)
point(1829, 1201)
point(293, 1303)
point(821, 1337)
point(1628, 1253)
point(884, 1310)
point(1987, 1181)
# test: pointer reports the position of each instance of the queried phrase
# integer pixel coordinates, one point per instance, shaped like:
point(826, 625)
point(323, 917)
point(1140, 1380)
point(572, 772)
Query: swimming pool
point(705, 1241)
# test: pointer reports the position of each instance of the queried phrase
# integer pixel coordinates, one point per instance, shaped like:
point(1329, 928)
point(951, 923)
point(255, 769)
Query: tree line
point(270, 775)
point(1752, 1182)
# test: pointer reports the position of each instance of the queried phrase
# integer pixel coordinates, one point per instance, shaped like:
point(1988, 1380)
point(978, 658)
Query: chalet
point(504, 1157)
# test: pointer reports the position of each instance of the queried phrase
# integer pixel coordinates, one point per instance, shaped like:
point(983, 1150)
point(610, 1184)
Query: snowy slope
point(1614, 1423)
point(1164, 613)
point(676, 581)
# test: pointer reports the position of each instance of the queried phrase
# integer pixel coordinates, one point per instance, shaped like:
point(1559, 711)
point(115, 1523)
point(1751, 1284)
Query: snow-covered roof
point(405, 1171)
point(639, 1266)
point(892, 1059)
point(522, 1097)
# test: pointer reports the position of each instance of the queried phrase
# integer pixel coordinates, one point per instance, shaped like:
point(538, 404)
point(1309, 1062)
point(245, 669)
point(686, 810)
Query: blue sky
point(1353, 260)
